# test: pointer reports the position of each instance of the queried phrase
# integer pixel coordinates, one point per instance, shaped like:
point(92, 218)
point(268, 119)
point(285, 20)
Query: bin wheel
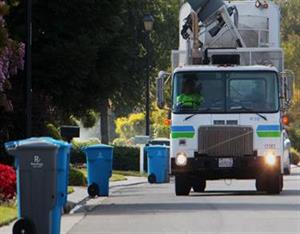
point(152, 179)
point(93, 190)
point(24, 226)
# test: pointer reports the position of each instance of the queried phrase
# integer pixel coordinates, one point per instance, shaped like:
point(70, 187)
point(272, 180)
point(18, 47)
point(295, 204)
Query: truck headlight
point(270, 159)
point(181, 159)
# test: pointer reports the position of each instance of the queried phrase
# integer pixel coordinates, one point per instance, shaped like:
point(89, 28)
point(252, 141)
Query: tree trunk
point(104, 121)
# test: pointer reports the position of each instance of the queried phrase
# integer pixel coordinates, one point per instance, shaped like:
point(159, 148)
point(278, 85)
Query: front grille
point(231, 141)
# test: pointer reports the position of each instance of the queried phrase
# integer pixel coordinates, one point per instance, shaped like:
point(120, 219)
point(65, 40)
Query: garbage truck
point(230, 95)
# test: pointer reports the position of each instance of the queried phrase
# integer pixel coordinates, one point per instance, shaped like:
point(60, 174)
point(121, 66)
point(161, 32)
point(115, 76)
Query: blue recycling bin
point(158, 164)
point(63, 167)
point(99, 168)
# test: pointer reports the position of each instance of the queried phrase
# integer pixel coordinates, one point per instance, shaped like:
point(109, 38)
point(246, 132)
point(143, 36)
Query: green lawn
point(70, 190)
point(130, 173)
point(7, 214)
point(118, 175)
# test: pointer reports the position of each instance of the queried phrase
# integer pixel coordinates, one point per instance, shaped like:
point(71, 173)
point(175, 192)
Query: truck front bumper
point(243, 168)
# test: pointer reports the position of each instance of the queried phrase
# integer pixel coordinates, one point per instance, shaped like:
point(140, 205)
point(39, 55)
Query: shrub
point(123, 142)
point(53, 131)
point(77, 155)
point(128, 127)
point(295, 156)
point(7, 182)
point(126, 158)
point(76, 178)
point(90, 119)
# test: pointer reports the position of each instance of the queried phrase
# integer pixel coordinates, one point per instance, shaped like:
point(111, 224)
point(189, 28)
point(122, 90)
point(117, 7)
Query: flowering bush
point(7, 182)
point(11, 57)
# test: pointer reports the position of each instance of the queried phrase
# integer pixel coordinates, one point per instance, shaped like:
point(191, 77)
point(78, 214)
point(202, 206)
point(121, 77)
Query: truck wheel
point(274, 184)
point(281, 183)
point(199, 186)
point(23, 226)
point(182, 186)
point(93, 190)
point(259, 184)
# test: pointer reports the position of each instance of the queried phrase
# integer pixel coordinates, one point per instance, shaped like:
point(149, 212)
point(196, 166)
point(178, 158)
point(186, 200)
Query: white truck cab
point(229, 96)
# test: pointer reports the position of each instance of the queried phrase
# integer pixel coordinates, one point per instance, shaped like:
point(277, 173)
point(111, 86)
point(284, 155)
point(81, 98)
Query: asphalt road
point(231, 207)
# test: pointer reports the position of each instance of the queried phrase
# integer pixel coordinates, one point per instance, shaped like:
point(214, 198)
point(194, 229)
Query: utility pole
point(148, 86)
point(148, 24)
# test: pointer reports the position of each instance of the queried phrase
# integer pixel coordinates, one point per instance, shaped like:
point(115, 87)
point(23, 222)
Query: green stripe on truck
point(269, 134)
point(176, 135)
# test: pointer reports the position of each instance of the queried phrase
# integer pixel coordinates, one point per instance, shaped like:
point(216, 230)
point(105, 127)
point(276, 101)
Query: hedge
point(77, 155)
point(76, 178)
point(125, 158)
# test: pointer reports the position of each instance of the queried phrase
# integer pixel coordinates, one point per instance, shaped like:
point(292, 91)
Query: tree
point(291, 34)
point(90, 55)
point(11, 62)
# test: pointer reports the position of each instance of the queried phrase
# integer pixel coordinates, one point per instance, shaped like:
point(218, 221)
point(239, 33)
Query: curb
point(77, 206)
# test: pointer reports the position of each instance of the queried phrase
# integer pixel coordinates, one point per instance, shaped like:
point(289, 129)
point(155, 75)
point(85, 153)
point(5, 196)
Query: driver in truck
point(190, 98)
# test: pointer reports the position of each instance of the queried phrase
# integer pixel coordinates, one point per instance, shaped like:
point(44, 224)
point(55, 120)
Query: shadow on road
point(290, 193)
point(295, 174)
point(134, 209)
point(227, 193)
point(243, 193)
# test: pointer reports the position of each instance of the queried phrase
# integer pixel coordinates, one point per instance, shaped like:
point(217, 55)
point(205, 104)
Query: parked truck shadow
point(134, 209)
point(243, 193)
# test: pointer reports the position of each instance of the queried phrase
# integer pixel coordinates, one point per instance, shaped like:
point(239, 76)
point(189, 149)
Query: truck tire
point(259, 184)
point(182, 185)
point(274, 184)
point(281, 183)
point(199, 185)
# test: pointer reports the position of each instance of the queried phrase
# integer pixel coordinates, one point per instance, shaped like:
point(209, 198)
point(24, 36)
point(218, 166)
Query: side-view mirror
point(288, 78)
point(160, 85)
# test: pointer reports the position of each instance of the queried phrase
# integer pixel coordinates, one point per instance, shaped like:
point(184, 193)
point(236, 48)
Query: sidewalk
point(80, 193)
point(81, 203)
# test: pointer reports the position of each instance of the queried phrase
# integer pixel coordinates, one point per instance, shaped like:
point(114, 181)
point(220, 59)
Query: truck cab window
point(199, 92)
point(223, 92)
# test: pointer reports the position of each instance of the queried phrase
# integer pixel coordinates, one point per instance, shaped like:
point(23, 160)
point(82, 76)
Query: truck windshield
point(225, 92)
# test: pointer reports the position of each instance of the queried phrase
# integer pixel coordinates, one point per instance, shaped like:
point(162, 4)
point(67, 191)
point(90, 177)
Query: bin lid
point(29, 143)
point(56, 142)
point(99, 146)
point(157, 147)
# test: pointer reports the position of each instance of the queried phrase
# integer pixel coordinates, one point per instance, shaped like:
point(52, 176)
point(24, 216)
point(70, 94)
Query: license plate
point(225, 162)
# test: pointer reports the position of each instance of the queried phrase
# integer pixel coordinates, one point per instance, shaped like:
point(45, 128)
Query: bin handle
point(10, 145)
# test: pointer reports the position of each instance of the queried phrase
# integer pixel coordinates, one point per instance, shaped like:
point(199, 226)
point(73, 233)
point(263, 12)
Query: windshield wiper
point(251, 110)
point(237, 108)
point(191, 116)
